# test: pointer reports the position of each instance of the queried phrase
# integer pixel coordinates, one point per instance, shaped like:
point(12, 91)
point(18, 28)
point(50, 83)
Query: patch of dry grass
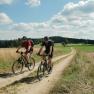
point(9, 55)
point(78, 78)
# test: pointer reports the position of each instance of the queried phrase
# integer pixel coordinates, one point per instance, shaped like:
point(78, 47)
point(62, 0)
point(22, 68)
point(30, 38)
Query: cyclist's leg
point(50, 62)
point(26, 55)
point(43, 57)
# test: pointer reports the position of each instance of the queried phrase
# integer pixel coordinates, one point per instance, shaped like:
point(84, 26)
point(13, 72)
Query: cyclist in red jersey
point(28, 45)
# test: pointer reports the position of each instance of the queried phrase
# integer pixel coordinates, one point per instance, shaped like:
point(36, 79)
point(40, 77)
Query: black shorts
point(47, 52)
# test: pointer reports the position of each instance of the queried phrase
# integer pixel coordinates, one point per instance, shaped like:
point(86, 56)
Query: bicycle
point(44, 67)
point(18, 65)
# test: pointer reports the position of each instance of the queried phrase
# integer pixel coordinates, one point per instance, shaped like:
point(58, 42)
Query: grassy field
point(85, 48)
point(9, 55)
point(78, 78)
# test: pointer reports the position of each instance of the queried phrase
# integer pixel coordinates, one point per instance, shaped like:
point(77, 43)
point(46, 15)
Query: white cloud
point(33, 3)
point(29, 26)
point(75, 20)
point(6, 1)
point(4, 19)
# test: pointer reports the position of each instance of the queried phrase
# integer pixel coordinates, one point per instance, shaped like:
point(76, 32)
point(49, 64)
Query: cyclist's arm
point(29, 47)
point(42, 45)
point(40, 50)
point(18, 49)
point(51, 50)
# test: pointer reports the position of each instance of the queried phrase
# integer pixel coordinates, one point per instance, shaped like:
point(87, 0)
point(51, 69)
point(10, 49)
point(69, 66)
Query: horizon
point(49, 37)
point(39, 18)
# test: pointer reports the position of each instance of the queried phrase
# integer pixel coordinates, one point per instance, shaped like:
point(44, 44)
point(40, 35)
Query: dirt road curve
point(44, 86)
point(4, 81)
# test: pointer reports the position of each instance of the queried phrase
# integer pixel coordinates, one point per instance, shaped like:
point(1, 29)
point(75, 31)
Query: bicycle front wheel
point(31, 63)
point(40, 71)
point(17, 67)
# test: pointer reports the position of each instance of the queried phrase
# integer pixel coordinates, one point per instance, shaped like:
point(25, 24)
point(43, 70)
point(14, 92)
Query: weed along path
point(4, 81)
point(45, 85)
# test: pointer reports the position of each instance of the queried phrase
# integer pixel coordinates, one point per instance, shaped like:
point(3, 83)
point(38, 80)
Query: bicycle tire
point(17, 67)
point(50, 68)
point(40, 71)
point(31, 64)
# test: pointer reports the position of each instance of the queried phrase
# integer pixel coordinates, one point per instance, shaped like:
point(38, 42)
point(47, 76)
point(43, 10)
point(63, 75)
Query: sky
point(39, 18)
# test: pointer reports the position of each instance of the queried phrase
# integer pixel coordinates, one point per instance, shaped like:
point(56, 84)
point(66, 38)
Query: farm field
point(84, 47)
point(78, 78)
point(9, 55)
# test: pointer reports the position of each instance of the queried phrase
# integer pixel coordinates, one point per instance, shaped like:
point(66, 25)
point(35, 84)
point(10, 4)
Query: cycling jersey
point(47, 46)
point(27, 43)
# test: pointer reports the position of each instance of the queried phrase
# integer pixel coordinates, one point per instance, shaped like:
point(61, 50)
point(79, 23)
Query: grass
point(84, 47)
point(9, 55)
point(78, 78)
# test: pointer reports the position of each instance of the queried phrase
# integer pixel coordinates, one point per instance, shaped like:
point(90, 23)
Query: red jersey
point(27, 43)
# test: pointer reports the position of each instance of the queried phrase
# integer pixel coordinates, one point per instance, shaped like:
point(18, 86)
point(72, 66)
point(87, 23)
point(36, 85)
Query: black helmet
point(24, 38)
point(46, 38)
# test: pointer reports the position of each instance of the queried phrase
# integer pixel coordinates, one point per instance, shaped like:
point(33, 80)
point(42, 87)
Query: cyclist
point(28, 45)
point(49, 48)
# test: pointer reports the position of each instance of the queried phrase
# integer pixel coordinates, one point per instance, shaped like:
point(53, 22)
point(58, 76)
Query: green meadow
point(78, 78)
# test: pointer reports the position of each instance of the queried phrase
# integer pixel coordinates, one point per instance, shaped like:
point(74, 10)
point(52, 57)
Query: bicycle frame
point(23, 57)
point(44, 58)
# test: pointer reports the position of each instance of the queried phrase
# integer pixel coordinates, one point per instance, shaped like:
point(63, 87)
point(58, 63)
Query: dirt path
point(4, 81)
point(45, 85)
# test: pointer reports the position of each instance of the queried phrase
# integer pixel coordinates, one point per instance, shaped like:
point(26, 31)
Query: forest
point(56, 39)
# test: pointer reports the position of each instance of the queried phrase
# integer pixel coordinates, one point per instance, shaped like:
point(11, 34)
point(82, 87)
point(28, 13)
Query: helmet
point(24, 38)
point(46, 38)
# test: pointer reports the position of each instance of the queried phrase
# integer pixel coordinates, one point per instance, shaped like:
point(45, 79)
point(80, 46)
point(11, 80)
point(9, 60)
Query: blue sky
point(39, 18)
point(20, 12)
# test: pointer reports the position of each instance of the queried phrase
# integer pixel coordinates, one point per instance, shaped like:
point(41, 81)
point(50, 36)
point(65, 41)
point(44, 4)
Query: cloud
point(33, 3)
point(74, 20)
point(6, 1)
point(81, 7)
point(29, 26)
point(4, 19)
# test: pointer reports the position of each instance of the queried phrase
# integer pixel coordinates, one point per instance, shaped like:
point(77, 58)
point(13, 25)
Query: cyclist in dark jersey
point(28, 45)
point(49, 48)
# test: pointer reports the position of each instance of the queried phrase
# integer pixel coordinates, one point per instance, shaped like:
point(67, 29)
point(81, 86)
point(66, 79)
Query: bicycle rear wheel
point(31, 63)
point(17, 67)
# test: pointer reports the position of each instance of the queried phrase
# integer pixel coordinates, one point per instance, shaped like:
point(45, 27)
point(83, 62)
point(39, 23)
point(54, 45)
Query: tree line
point(56, 39)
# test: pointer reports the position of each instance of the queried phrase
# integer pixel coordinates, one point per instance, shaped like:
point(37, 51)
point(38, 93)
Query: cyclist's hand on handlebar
point(17, 51)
